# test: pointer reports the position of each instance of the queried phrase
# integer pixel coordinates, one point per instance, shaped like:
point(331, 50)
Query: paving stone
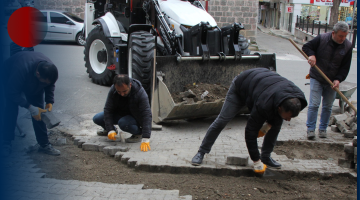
point(342, 126)
point(334, 128)
point(346, 163)
point(332, 121)
point(341, 117)
point(240, 160)
point(349, 134)
point(90, 147)
point(349, 148)
point(349, 121)
point(118, 155)
point(80, 143)
point(349, 156)
point(111, 150)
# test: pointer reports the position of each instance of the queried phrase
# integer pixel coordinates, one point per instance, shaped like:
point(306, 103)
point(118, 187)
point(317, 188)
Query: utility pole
point(352, 21)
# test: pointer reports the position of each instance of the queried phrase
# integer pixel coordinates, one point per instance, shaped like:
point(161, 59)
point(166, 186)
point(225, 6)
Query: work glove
point(36, 112)
point(264, 129)
point(259, 167)
point(145, 144)
point(48, 107)
point(111, 135)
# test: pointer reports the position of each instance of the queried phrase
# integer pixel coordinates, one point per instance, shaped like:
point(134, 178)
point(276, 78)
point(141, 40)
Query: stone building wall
point(74, 6)
point(226, 12)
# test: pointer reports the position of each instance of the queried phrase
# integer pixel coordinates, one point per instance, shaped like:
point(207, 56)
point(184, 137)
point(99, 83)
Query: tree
point(334, 14)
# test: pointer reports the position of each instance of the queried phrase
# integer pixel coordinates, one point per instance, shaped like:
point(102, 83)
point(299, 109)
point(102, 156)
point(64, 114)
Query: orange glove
point(259, 167)
point(36, 112)
point(111, 135)
point(307, 76)
point(48, 107)
point(145, 144)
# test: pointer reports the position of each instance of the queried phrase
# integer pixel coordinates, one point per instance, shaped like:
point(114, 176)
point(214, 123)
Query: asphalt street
point(76, 95)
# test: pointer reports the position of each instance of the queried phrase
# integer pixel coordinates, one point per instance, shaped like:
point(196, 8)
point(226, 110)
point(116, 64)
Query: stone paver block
point(118, 155)
point(341, 117)
point(349, 121)
point(349, 134)
point(349, 156)
point(241, 160)
point(346, 163)
point(332, 121)
point(90, 147)
point(111, 150)
point(349, 148)
point(342, 126)
point(80, 143)
point(334, 128)
point(355, 141)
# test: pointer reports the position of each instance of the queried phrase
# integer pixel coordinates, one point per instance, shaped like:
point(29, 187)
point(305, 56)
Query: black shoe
point(268, 161)
point(49, 149)
point(197, 159)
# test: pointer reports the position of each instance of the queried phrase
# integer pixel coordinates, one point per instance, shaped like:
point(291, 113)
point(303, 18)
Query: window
point(58, 18)
point(74, 17)
point(41, 17)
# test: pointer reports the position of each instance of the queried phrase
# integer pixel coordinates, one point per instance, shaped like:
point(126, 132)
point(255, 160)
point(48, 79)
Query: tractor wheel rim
point(96, 46)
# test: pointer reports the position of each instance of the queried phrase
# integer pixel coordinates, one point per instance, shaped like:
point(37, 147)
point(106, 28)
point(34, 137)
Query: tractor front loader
point(166, 44)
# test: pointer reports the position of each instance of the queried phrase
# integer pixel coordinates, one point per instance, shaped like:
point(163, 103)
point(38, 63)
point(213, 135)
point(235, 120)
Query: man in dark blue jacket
point(332, 53)
point(128, 106)
point(30, 74)
point(270, 98)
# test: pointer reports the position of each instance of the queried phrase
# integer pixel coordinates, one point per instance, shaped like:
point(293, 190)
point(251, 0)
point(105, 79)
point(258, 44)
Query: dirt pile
point(200, 92)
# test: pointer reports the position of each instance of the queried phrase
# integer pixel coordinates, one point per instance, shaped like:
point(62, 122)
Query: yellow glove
point(48, 107)
point(259, 167)
point(111, 135)
point(145, 144)
point(36, 112)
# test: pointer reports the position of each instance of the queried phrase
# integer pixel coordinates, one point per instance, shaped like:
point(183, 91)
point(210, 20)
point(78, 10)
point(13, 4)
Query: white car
point(63, 26)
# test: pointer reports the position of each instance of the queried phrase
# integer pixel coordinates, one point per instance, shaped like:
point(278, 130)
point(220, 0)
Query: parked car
point(62, 26)
point(26, 3)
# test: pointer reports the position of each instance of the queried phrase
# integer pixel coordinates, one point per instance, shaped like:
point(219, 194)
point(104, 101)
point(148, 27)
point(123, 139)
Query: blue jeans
point(126, 123)
point(318, 90)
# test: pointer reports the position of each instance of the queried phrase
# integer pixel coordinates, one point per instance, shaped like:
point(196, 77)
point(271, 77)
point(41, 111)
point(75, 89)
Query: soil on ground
point(76, 164)
point(310, 150)
point(215, 92)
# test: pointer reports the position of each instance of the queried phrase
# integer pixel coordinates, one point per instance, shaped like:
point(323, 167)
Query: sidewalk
point(280, 33)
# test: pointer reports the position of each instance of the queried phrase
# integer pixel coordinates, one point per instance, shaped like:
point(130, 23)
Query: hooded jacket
point(263, 91)
point(19, 77)
point(138, 105)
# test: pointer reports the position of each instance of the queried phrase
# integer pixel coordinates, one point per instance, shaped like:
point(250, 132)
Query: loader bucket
point(173, 75)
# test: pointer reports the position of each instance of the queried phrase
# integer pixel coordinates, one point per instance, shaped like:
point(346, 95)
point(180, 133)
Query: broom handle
point(325, 77)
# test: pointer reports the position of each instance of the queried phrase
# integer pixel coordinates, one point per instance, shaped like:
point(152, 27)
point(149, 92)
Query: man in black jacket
point(270, 98)
point(128, 106)
point(332, 53)
point(29, 74)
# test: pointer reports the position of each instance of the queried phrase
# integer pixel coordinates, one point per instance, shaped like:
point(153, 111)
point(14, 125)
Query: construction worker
point(270, 98)
point(332, 53)
point(29, 74)
point(128, 106)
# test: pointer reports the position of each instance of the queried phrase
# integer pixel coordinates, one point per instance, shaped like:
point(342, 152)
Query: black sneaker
point(49, 149)
point(134, 139)
point(268, 161)
point(102, 132)
point(197, 159)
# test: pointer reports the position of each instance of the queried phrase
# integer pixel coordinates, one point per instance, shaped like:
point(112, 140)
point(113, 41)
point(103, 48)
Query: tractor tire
point(141, 58)
point(98, 56)
point(243, 45)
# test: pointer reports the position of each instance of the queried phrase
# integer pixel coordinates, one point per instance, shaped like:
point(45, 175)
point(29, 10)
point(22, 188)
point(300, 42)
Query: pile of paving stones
point(350, 160)
point(345, 123)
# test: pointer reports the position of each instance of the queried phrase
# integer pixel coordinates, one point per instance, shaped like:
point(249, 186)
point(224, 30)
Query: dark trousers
point(232, 105)
point(126, 123)
point(10, 115)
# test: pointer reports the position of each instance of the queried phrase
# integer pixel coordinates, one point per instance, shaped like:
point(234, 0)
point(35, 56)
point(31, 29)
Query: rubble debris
point(334, 128)
point(350, 155)
point(346, 123)
point(200, 92)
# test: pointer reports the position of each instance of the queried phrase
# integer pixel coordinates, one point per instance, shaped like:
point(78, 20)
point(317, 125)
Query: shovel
point(326, 78)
